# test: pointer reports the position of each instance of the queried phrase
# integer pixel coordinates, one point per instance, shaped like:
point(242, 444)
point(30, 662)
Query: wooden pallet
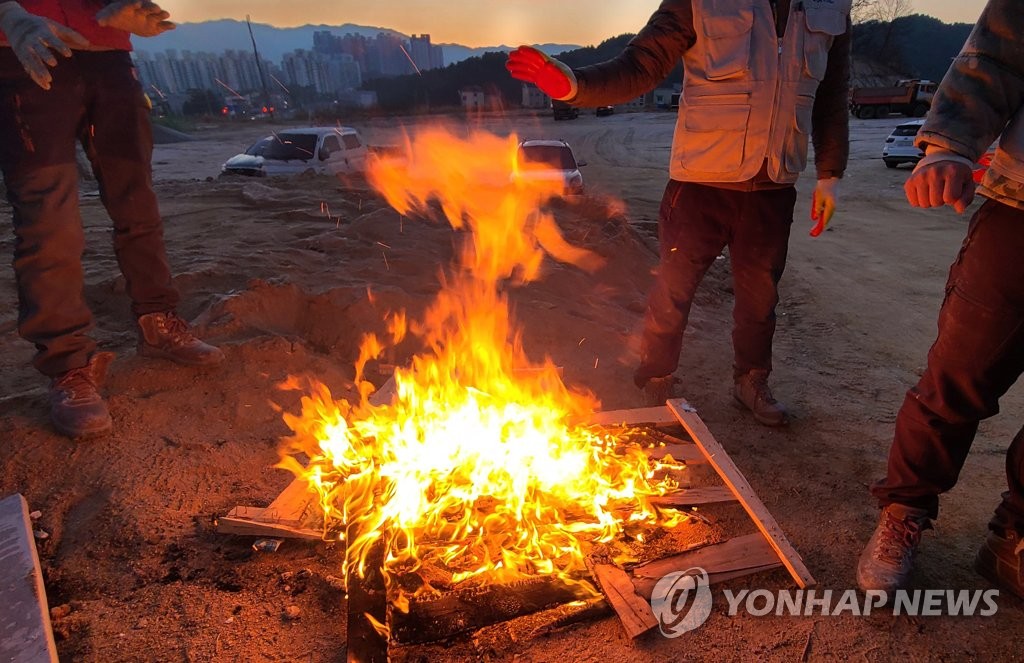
point(296, 513)
point(628, 591)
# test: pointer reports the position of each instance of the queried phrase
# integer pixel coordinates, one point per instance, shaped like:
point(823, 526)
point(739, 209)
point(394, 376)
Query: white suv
point(899, 146)
point(550, 160)
point(322, 150)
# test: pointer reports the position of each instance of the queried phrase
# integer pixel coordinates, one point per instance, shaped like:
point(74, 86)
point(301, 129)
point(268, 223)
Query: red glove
point(553, 78)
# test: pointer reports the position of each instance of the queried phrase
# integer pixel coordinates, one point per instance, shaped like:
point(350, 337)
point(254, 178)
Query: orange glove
point(823, 203)
point(554, 78)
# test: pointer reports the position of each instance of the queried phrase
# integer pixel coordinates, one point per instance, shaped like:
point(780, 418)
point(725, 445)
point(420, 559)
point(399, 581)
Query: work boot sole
point(986, 564)
point(156, 353)
point(101, 428)
point(764, 421)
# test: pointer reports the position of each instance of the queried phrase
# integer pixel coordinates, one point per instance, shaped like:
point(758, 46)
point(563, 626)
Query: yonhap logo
point(681, 601)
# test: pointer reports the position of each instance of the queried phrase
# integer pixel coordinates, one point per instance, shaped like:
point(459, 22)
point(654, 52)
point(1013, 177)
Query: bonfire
point(481, 464)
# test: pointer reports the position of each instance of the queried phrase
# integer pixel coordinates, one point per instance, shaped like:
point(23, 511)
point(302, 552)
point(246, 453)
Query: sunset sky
point(480, 22)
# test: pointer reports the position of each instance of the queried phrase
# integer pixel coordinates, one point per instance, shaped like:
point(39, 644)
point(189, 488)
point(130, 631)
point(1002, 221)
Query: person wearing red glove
point(89, 95)
point(979, 351)
point(761, 78)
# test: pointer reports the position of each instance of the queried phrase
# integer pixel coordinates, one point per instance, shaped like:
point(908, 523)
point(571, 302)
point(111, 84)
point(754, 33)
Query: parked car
point(550, 160)
point(899, 146)
point(323, 150)
point(601, 111)
point(563, 111)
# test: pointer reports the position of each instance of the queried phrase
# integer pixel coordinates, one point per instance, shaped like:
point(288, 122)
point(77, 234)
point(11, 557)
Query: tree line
point(887, 43)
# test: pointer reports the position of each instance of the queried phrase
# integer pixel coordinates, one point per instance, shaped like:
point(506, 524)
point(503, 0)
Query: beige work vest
point(747, 95)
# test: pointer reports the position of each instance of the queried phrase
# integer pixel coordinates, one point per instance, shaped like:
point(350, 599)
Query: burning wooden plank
point(296, 512)
point(437, 617)
point(367, 607)
point(25, 633)
point(654, 416)
point(751, 551)
point(634, 612)
point(684, 453)
point(739, 486)
point(695, 497)
point(253, 521)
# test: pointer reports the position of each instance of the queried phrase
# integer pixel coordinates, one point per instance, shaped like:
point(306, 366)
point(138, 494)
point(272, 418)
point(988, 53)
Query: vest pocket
point(727, 34)
point(823, 25)
point(715, 139)
point(796, 141)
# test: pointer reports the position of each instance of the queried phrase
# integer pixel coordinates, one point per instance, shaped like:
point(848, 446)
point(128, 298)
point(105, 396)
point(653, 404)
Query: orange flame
point(475, 465)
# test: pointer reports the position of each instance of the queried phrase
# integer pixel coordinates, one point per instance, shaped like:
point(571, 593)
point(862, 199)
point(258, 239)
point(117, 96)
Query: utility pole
point(259, 68)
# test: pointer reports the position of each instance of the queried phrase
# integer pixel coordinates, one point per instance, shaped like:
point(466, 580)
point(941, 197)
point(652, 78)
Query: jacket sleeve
point(830, 118)
point(984, 86)
point(646, 61)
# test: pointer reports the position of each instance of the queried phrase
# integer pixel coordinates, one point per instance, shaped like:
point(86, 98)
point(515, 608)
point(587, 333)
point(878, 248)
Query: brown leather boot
point(752, 392)
point(76, 408)
point(658, 390)
point(888, 558)
point(166, 336)
point(1001, 561)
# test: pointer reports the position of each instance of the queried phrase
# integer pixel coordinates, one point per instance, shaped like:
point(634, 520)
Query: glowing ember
point(476, 465)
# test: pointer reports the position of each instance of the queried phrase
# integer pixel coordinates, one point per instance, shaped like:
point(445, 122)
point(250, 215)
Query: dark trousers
point(976, 358)
point(95, 99)
point(695, 223)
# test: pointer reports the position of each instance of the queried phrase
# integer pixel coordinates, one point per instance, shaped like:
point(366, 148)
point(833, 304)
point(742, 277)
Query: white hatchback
point(322, 150)
point(899, 146)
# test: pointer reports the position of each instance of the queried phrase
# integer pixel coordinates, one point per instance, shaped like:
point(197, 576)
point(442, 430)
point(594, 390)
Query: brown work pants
point(695, 222)
point(95, 99)
point(976, 358)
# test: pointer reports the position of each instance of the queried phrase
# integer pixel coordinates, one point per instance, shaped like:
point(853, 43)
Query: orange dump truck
point(912, 98)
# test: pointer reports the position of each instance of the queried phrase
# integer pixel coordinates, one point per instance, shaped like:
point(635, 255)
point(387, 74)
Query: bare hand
point(139, 17)
point(941, 183)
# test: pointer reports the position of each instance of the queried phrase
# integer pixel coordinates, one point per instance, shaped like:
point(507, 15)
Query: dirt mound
point(165, 135)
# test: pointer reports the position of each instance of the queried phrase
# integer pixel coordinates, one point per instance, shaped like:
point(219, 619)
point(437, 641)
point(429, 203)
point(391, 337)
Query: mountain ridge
point(273, 42)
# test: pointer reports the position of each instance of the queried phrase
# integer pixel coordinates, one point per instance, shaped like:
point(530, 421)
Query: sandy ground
point(277, 273)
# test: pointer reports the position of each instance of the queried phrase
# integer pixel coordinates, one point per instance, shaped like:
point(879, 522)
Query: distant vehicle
point(322, 150)
point(912, 98)
point(899, 146)
point(601, 111)
point(550, 160)
point(563, 111)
